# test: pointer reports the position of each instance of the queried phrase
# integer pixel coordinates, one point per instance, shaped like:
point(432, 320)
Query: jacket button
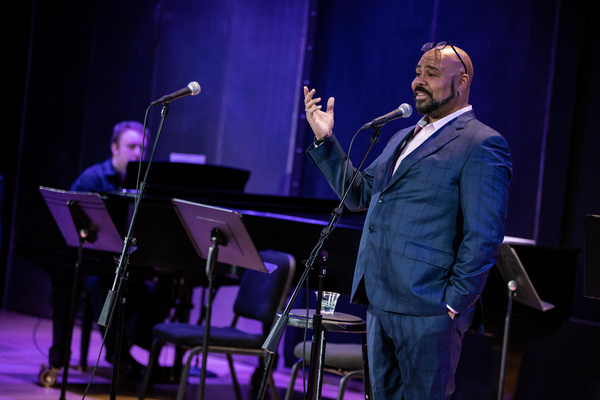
point(371, 229)
point(380, 200)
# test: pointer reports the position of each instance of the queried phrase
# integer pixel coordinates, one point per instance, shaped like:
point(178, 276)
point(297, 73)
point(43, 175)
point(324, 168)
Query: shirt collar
point(441, 122)
point(109, 168)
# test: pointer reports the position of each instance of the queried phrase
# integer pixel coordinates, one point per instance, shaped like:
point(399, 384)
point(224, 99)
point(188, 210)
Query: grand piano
point(287, 224)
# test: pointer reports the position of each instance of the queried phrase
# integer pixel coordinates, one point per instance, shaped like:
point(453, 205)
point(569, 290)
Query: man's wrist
point(317, 142)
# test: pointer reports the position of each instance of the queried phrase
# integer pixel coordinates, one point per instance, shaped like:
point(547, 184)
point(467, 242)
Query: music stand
point(520, 289)
point(83, 222)
point(218, 234)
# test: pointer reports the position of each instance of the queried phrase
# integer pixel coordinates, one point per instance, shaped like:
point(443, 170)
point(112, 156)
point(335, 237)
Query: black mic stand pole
point(121, 274)
point(512, 292)
point(86, 232)
point(217, 239)
point(272, 342)
point(317, 357)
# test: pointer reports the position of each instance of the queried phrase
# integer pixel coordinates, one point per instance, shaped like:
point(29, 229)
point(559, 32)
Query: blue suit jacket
point(433, 229)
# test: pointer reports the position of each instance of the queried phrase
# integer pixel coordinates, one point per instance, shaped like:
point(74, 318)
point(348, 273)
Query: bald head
point(449, 57)
point(465, 58)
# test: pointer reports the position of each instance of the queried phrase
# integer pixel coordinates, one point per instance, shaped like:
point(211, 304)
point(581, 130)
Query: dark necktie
point(414, 133)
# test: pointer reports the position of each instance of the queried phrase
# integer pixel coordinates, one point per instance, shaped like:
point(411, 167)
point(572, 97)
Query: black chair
point(260, 296)
point(343, 359)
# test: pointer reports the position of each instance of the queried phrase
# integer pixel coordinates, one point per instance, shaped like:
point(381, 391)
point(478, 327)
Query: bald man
point(437, 200)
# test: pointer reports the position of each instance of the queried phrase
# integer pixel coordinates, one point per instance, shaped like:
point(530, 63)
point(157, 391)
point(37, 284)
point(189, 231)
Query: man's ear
point(463, 82)
point(114, 148)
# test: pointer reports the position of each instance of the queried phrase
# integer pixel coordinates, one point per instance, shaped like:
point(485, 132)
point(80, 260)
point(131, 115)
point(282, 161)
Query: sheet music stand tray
point(84, 222)
point(218, 234)
point(520, 289)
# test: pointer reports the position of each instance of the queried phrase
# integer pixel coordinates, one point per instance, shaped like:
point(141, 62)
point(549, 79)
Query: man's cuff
point(318, 142)
point(451, 309)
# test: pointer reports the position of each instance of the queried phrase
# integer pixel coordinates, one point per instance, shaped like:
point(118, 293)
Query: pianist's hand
point(320, 122)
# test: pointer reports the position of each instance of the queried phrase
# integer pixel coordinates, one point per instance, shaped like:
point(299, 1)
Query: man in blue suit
point(437, 200)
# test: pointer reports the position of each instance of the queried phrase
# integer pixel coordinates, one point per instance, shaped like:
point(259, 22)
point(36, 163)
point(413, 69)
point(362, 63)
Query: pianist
point(435, 221)
point(143, 310)
point(125, 146)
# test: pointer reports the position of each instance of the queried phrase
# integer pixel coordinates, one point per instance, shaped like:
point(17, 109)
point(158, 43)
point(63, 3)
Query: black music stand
point(218, 234)
point(83, 222)
point(520, 289)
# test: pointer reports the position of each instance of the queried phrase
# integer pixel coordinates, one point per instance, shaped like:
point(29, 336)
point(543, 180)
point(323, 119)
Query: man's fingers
point(330, 104)
point(311, 103)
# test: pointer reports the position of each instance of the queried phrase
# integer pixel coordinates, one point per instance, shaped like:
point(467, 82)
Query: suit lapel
point(439, 139)
point(392, 160)
point(382, 171)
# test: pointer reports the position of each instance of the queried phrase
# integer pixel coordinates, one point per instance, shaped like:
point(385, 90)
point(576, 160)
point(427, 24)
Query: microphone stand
point(118, 290)
point(217, 239)
point(86, 232)
point(272, 342)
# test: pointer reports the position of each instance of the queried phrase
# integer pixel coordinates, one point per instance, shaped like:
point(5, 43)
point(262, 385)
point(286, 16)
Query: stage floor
point(24, 344)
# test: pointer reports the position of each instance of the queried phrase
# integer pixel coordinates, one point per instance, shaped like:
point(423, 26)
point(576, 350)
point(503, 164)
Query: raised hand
point(320, 122)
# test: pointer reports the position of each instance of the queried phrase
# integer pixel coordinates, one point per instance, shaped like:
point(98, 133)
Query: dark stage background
point(69, 72)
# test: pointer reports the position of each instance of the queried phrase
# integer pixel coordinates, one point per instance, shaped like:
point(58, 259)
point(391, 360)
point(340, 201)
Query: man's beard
point(426, 108)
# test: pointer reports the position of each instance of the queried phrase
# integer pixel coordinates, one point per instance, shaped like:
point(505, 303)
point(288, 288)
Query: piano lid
point(165, 178)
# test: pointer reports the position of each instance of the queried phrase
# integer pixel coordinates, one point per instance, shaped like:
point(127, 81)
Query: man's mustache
point(420, 89)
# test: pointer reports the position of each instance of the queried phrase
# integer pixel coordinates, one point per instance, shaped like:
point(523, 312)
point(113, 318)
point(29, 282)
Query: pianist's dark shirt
point(101, 177)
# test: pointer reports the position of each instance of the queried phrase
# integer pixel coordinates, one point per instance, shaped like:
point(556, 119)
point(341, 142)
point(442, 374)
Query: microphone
point(193, 88)
point(404, 111)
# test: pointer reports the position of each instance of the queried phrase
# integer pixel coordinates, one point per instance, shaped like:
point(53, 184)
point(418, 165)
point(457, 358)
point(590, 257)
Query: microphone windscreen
point(194, 87)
